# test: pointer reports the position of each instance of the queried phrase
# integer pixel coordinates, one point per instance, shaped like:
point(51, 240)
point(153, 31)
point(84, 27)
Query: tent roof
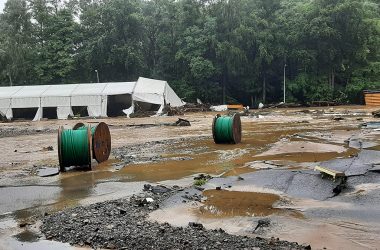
point(85, 89)
point(151, 86)
point(144, 90)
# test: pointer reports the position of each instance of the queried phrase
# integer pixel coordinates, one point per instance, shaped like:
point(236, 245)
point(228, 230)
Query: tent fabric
point(156, 92)
point(91, 95)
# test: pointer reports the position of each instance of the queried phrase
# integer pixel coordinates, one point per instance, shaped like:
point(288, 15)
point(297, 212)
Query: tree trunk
point(224, 93)
point(251, 101)
point(264, 89)
point(333, 79)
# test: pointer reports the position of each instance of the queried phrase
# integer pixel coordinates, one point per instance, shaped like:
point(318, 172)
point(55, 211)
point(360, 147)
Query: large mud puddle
point(223, 203)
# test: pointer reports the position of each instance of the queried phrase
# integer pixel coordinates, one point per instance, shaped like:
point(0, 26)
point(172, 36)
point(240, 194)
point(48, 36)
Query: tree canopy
point(216, 50)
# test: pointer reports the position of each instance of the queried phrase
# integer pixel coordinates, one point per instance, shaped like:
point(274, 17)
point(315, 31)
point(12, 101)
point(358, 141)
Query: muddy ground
point(266, 180)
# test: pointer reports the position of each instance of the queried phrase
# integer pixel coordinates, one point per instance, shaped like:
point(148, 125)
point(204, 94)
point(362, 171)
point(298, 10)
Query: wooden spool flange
point(236, 128)
point(78, 125)
point(101, 142)
point(213, 127)
point(61, 167)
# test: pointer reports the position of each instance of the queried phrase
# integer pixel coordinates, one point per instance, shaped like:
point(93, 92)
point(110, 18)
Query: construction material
point(101, 140)
point(235, 107)
point(74, 147)
point(372, 97)
point(226, 129)
point(329, 172)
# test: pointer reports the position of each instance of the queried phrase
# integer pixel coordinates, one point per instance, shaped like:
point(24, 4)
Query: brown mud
point(290, 139)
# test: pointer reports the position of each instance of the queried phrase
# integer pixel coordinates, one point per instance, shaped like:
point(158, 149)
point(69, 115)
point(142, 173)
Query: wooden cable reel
point(101, 141)
point(226, 129)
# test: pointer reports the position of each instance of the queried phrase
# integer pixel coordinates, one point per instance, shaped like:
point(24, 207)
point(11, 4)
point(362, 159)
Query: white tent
point(94, 96)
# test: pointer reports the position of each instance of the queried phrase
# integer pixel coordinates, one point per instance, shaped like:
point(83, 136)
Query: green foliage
point(200, 182)
point(218, 51)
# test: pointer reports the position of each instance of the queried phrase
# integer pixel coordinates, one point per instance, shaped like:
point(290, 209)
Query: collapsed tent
point(97, 99)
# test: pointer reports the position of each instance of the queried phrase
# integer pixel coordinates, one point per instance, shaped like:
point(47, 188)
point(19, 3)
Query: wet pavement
point(270, 174)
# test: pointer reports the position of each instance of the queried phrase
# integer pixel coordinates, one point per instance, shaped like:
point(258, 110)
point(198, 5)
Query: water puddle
point(27, 236)
point(223, 203)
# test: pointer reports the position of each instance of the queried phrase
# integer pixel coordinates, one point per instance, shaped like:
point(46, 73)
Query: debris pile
point(123, 224)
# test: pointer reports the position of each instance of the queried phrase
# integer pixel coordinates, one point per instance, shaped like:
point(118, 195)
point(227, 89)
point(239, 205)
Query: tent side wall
point(171, 97)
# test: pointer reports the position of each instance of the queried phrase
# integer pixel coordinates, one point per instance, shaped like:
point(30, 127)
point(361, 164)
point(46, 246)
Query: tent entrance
point(144, 106)
point(24, 113)
point(80, 111)
point(116, 104)
point(50, 113)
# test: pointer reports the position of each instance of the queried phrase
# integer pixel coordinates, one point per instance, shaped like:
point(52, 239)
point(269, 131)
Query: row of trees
point(215, 50)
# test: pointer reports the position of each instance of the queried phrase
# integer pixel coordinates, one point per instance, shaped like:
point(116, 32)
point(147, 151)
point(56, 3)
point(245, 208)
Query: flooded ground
point(269, 175)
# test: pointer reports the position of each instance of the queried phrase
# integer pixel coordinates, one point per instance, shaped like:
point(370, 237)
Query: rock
point(122, 210)
point(23, 224)
point(148, 200)
point(196, 225)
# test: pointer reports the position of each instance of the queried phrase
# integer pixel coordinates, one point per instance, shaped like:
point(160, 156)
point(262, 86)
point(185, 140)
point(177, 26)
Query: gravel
point(14, 131)
point(123, 224)
point(154, 151)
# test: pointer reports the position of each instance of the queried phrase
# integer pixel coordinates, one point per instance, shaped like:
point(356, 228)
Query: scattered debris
point(196, 107)
point(196, 225)
point(193, 197)
point(371, 125)
point(182, 122)
point(48, 148)
point(324, 103)
point(376, 114)
point(172, 111)
point(376, 168)
point(219, 108)
point(337, 118)
point(262, 223)
point(330, 172)
point(159, 189)
point(47, 172)
point(336, 176)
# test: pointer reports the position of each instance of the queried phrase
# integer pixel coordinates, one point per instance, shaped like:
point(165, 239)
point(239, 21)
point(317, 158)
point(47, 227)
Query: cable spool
point(74, 148)
point(101, 140)
point(226, 129)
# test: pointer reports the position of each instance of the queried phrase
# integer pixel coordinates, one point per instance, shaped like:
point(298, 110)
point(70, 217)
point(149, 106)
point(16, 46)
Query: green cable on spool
point(85, 127)
point(223, 129)
point(101, 140)
point(226, 129)
point(74, 148)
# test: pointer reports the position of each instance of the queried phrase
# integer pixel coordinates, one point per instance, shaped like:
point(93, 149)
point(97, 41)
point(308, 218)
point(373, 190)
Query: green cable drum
point(226, 129)
point(101, 140)
point(74, 148)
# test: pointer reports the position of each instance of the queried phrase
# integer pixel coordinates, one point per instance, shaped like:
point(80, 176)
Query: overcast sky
point(2, 2)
